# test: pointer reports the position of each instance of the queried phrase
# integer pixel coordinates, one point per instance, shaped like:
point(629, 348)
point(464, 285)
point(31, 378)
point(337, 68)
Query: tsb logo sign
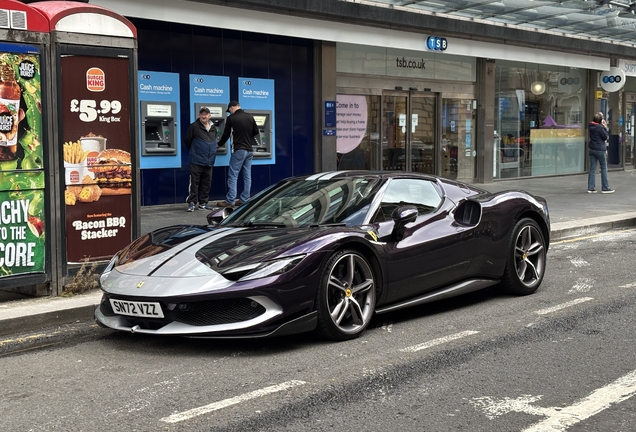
point(612, 80)
point(436, 43)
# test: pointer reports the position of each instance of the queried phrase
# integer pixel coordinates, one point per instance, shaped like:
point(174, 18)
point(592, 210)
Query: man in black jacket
point(243, 128)
point(200, 140)
point(598, 152)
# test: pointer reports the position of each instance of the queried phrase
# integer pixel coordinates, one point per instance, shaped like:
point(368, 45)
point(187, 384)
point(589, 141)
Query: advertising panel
point(97, 162)
point(22, 210)
point(351, 124)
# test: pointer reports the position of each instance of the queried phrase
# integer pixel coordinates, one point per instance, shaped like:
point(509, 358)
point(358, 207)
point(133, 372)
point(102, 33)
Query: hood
point(184, 251)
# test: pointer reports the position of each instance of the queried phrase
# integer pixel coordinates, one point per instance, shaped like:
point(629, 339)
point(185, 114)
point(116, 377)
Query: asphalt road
point(563, 359)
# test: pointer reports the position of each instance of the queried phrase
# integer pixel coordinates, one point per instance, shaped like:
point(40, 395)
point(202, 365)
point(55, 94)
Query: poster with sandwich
point(96, 156)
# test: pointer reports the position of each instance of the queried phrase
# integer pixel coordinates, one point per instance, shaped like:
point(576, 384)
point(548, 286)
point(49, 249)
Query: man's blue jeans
point(601, 157)
point(240, 160)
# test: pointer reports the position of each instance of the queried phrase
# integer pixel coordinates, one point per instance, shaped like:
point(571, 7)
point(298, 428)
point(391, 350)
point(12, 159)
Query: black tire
point(346, 297)
point(525, 265)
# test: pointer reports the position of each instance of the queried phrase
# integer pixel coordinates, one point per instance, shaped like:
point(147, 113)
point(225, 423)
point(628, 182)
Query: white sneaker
point(608, 191)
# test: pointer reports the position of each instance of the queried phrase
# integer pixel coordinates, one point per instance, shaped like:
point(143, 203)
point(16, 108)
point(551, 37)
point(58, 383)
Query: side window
point(420, 193)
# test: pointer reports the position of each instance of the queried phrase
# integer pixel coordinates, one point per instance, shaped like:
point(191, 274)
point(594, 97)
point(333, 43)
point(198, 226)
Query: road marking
point(561, 418)
point(582, 285)
point(578, 262)
point(175, 418)
point(439, 341)
point(562, 306)
point(629, 285)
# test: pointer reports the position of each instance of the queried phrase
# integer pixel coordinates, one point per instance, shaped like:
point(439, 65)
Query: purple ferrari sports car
point(326, 252)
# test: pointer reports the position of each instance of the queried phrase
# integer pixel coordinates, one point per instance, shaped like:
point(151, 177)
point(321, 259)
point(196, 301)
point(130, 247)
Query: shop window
point(539, 120)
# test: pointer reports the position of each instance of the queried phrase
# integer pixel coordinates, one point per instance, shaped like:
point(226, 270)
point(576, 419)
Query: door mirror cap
point(404, 214)
point(216, 216)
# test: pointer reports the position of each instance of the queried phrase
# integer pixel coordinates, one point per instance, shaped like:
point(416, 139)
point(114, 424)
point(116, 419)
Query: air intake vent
point(18, 20)
point(4, 18)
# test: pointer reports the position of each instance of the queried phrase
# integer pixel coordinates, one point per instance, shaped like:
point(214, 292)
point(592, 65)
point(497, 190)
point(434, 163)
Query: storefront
point(406, 110)
point(417, 110)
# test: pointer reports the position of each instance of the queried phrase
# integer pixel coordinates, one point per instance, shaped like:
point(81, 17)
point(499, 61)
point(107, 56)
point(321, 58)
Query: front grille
point(200, 313)
point(214, 312)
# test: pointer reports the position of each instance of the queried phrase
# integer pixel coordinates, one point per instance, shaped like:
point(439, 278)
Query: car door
point(434, 251)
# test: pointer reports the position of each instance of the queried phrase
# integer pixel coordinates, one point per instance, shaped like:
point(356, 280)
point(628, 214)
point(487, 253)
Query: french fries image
point(74, 153)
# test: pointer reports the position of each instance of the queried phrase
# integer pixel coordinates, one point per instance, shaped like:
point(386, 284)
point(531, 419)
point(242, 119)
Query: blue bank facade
point(187, 49)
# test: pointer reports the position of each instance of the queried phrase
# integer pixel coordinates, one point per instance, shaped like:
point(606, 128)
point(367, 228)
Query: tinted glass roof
point(606, 21)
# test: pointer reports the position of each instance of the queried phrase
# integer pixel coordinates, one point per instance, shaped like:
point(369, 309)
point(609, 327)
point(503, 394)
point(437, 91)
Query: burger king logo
point(95, 79)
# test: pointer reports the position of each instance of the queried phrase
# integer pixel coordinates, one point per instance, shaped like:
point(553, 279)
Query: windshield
point(299, 203)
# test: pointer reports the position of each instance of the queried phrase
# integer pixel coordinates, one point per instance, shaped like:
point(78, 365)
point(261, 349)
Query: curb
point(586, 227)
point(35, 314)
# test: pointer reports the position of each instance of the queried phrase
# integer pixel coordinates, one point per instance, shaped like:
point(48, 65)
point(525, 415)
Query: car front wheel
point(526, 261)
point(346, 296)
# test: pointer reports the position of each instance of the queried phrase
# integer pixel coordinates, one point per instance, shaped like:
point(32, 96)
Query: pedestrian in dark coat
point(200, 140)
point(598, 153)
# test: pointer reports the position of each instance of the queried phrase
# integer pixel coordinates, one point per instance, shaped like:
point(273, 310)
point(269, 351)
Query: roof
point(597, 20)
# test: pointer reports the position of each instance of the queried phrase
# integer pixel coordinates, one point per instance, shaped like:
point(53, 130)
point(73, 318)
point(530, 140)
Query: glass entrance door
point(422, 130)
point(458, 153)
point(408, 132)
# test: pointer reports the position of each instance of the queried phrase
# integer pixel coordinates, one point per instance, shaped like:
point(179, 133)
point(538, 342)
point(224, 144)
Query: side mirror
point(216, 217)
point(401, 216)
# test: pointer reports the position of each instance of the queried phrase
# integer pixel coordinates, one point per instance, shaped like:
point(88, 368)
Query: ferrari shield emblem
point(140, 284)
point(374, 235)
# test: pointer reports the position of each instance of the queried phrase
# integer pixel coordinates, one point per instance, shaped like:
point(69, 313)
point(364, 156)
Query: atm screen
point(152, 133)
point(260, 120)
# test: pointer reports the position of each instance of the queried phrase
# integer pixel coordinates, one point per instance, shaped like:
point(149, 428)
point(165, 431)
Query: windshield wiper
point(332, 224)
point(251, 224)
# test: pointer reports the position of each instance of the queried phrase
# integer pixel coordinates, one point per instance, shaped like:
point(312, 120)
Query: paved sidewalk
point(573, 212)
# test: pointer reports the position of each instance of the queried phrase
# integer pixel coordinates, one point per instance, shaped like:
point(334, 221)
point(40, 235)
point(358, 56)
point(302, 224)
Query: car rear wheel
point(346, 296)
point(525, 266)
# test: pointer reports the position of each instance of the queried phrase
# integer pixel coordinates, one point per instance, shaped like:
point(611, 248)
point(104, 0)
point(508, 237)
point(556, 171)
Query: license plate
point(138, 309)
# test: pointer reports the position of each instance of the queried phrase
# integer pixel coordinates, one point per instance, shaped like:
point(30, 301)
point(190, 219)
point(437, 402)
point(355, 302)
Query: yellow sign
point(599, 94)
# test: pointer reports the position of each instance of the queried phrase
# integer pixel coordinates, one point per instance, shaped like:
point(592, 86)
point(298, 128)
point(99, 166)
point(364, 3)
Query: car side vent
point(18, 20)
point(468, 213)
point(4, 18)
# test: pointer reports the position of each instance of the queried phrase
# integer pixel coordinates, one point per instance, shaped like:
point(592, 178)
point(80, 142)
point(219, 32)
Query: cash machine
point(263, 145)
point(158, 128)
point(217, 117)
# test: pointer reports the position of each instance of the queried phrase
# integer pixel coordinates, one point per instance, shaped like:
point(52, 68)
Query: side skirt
point(444, 293)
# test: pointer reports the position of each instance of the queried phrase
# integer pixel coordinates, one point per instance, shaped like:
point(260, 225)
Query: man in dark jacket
point(200, 140)
point(243, 128)
point(598, 152)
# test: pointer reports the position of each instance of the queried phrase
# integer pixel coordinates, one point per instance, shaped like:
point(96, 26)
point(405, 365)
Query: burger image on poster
point(351, 122)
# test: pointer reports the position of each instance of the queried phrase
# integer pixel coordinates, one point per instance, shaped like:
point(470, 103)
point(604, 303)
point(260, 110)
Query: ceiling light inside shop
point(537, 87)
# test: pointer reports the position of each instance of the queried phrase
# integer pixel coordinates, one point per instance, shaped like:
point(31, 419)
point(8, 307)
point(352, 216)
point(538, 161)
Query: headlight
point(272, 268)
point(108, 268)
